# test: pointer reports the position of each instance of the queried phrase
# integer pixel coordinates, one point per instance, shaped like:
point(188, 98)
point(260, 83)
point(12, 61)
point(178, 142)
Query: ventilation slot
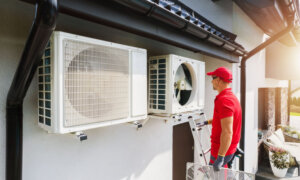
point(157, 89)
point(44, 87)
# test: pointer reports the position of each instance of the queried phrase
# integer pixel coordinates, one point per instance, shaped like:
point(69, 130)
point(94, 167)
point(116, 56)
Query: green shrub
point(279, 157)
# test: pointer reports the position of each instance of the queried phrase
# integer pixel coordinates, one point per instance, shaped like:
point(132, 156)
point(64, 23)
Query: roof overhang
point(272, 16)
point(156, 20)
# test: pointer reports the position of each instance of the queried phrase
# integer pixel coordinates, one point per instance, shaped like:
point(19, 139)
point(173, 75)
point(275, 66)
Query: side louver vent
point(157, 85)
point(44, 84)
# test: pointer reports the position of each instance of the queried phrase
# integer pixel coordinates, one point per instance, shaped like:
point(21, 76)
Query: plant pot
point(276, 171)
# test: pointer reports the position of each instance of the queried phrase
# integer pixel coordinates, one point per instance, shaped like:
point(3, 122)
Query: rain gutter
point(243, 80)
point(186, 20)
point(42, 28)
point(158, 20)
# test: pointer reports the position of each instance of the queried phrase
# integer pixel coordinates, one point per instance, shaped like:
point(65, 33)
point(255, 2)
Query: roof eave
point(274, 16)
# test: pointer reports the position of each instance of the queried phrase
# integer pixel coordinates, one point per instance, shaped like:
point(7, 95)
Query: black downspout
point(42, 28)
point(243, 82)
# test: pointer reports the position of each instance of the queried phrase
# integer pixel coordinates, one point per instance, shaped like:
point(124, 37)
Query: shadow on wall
point(154, 48)
point(210, 65)
point(116, 152)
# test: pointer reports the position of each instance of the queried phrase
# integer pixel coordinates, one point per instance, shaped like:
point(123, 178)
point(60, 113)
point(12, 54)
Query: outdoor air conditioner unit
point(86, 83)
point(176, 84)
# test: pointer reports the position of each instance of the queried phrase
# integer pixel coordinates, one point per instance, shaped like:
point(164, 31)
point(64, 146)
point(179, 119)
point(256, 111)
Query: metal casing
point(161, 94)
point(87, 83)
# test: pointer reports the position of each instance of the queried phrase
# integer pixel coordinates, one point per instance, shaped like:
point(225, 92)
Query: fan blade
point(178, 96)
point(188, 85)
point(188, 78)
point(180, 75)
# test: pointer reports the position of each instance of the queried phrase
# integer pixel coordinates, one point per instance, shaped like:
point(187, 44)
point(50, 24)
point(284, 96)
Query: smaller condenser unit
point(86, 83)
point(175, 84)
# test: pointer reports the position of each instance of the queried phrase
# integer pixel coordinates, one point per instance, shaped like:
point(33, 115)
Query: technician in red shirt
point(227, 119)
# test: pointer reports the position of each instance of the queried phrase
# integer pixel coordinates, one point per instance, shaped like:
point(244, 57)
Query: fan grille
point(96, 83)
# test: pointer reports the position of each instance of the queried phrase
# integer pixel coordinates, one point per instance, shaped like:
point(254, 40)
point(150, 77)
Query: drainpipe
point(243, 81)
point(42, 28)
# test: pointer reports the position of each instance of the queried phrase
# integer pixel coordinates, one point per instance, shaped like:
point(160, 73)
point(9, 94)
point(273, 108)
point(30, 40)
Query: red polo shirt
point(226, 105)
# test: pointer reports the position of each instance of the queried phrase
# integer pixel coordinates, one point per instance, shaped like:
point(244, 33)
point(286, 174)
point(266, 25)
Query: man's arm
point(226, 135)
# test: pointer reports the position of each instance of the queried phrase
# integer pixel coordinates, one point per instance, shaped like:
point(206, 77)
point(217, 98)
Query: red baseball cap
point(223, 73)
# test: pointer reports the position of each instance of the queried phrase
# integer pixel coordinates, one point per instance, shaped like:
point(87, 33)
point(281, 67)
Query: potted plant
point(279, 160)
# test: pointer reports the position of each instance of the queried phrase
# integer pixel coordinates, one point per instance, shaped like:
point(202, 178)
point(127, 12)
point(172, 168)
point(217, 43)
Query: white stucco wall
point(113, 153)
point(210, 65)
point(116, 152)
point(282, 62)
point(110, 153)
point(218, 12)
point(250, 36)
point(119, 152)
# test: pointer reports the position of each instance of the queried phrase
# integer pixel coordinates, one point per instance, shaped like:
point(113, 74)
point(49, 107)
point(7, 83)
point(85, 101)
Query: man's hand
point(208, 122)
point(218, 163)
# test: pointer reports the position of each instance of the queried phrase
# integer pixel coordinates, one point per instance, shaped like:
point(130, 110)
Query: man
point(227, 119)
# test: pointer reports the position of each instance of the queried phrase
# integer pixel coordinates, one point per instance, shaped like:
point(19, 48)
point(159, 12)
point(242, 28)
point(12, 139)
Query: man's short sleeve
point(226, 108)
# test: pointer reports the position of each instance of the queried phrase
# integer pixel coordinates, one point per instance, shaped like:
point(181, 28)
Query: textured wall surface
point(250, 36)
point(270, 109)
point(281, 106)
point(218, 12)
point(277, 56)
point(118, 152)
point(110, 153)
